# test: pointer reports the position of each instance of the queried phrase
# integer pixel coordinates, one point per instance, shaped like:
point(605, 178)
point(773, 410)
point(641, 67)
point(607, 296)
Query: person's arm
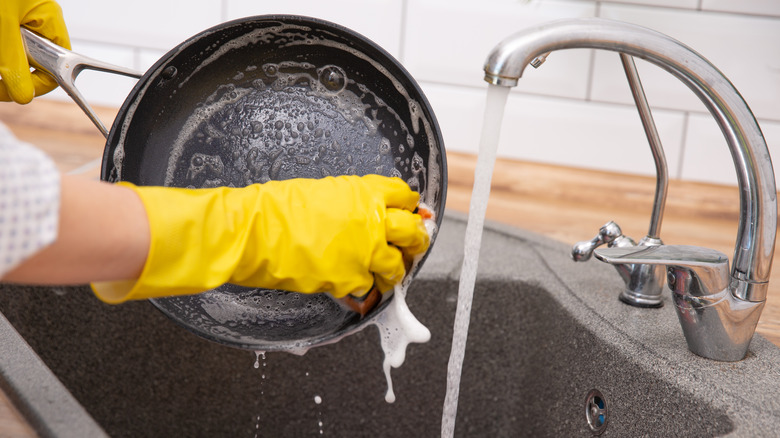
point(341, 235)
point(103, 235)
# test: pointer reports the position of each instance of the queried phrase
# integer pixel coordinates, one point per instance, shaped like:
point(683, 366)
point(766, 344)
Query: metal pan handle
point(64, 66)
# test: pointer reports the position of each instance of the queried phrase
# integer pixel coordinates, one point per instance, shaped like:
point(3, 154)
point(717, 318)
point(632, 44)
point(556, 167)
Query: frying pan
point(258, 99)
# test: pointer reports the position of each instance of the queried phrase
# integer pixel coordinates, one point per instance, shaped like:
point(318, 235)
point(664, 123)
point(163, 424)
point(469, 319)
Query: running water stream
point(486, 158)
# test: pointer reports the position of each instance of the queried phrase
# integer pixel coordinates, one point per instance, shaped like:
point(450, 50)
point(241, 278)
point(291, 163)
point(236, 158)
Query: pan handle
point(64, 66)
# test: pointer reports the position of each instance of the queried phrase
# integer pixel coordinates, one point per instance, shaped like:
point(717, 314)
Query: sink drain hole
point(596, 412)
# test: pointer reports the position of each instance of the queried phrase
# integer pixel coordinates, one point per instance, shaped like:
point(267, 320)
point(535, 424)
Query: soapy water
point(258, 356)
point(398, 327)
point(327, 84)
point(242, 315)
point(298, 120)
point(320, 423)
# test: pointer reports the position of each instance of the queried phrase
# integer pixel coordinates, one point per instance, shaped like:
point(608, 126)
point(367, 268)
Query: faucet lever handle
point(610, 234)
point(710, 267)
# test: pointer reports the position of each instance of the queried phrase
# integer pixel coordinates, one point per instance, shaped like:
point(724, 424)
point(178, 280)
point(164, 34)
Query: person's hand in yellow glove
point(43, 17)
point(341, 235)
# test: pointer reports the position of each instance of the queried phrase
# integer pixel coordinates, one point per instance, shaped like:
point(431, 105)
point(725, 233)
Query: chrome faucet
point(718, 310)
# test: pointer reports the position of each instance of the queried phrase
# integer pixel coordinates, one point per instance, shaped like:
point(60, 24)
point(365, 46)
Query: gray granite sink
point(544, 332)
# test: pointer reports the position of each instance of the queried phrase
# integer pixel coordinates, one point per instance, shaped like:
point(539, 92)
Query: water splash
point(320, 423)
point(258, 355)
point(398, 327)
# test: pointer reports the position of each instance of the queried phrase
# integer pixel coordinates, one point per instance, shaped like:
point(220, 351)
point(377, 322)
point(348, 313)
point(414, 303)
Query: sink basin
point(545, 331)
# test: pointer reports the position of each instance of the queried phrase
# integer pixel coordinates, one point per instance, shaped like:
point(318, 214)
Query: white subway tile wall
point(575, 110)
point(447, 42)
point(379, 20)
point(745, 48)
point(154, 24)
point(706, 156)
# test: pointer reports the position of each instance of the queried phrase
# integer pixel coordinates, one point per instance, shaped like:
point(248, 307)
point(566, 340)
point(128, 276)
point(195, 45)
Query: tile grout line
point(402, 32)
point(592, 62)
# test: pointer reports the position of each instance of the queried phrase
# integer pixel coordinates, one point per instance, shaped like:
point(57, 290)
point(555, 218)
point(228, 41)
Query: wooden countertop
point(565, 204)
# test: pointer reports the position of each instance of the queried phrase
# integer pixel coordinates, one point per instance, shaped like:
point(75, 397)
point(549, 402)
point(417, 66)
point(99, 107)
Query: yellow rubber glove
point(43, 17)
point(340, 235)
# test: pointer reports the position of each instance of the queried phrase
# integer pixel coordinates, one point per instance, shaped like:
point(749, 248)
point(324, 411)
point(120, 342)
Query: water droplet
point(169, 72)
point(384, 146)
point(417, 163)
point(333, 78)
point(259, 355)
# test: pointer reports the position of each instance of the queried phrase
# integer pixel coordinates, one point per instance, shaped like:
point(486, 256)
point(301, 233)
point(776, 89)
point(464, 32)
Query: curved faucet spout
point(713, 329)
point(755, 242)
